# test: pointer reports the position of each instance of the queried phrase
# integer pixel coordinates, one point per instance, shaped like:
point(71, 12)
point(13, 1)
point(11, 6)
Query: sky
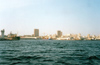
point(69, 16)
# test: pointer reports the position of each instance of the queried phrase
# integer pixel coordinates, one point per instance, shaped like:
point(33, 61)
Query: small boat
point(15, 38)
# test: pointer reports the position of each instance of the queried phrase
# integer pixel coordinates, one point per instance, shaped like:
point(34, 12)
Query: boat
point(9, 37)
point(16, 38)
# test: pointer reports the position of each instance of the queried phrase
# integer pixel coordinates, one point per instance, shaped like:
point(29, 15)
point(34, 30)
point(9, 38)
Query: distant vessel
point(15, 38)
point(10, 36)
point(2, 39)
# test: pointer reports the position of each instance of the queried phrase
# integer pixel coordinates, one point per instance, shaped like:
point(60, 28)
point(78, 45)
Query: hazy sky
point(69, 16)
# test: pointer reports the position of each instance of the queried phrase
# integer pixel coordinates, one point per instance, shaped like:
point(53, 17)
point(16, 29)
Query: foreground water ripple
point(49, 52)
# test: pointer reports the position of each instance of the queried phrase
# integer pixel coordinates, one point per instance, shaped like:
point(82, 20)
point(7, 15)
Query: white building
point(2, 33)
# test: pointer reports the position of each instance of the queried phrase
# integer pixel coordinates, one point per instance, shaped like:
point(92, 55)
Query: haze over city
point(69, 16)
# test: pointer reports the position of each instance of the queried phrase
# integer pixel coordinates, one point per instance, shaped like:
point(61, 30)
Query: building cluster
point(58, 36)
point(78, 37)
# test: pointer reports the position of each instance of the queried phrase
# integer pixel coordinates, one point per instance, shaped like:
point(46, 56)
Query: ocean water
point(49, 52)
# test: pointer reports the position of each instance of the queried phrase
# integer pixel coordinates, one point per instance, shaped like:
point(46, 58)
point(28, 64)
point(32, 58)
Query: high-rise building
point(59, 33)
point(36, 32)
point(2, 33)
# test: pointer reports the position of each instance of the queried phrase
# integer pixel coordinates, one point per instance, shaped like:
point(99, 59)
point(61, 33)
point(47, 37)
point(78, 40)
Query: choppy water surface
point(49, 52)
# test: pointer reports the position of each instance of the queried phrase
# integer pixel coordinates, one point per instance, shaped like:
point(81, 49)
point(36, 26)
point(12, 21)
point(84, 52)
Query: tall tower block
point(36, 32)
point(2, 33)
point(59, 33)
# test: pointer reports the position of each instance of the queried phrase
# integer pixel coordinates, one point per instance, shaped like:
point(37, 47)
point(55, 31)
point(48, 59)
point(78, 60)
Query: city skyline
point(69, 16)
point(58, 36)
point(36, 33)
